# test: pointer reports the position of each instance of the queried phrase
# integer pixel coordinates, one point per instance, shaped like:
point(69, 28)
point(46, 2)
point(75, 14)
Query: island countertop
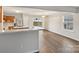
point(22, 30)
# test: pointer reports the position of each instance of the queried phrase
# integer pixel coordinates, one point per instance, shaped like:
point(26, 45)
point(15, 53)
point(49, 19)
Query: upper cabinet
point(9, 19)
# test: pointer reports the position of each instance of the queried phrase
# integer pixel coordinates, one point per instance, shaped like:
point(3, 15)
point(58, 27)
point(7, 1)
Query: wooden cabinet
point(9, 19)
point(4, 18)
point(0, 13)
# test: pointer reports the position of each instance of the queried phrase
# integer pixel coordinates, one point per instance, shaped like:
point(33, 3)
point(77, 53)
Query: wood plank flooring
point(54, 43)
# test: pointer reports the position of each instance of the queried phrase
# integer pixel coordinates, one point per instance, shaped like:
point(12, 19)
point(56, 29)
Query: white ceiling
point(30, 11)
point(73, 9)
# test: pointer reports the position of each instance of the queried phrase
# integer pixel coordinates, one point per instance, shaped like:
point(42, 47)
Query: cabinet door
point(9, 19)
point(0, 13)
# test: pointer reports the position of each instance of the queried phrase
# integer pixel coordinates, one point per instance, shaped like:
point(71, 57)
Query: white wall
point(25, 20)
point(56, 25)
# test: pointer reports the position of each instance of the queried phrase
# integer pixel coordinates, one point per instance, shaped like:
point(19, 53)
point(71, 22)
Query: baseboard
point(35, 51)
point(62, 35)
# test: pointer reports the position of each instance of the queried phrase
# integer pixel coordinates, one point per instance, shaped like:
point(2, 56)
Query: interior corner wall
point(56, 24)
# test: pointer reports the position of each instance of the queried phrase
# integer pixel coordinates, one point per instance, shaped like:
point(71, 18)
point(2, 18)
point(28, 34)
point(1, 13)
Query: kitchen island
point(19, 41)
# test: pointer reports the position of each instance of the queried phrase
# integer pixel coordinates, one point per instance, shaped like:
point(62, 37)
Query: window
point(37, 21)
point(68, 22)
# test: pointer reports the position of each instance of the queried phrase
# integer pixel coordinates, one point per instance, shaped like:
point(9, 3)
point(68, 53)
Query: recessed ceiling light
point(43, 16)
point(17, 11)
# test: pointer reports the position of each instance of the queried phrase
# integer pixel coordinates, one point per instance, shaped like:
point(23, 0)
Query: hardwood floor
point(53, 43)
